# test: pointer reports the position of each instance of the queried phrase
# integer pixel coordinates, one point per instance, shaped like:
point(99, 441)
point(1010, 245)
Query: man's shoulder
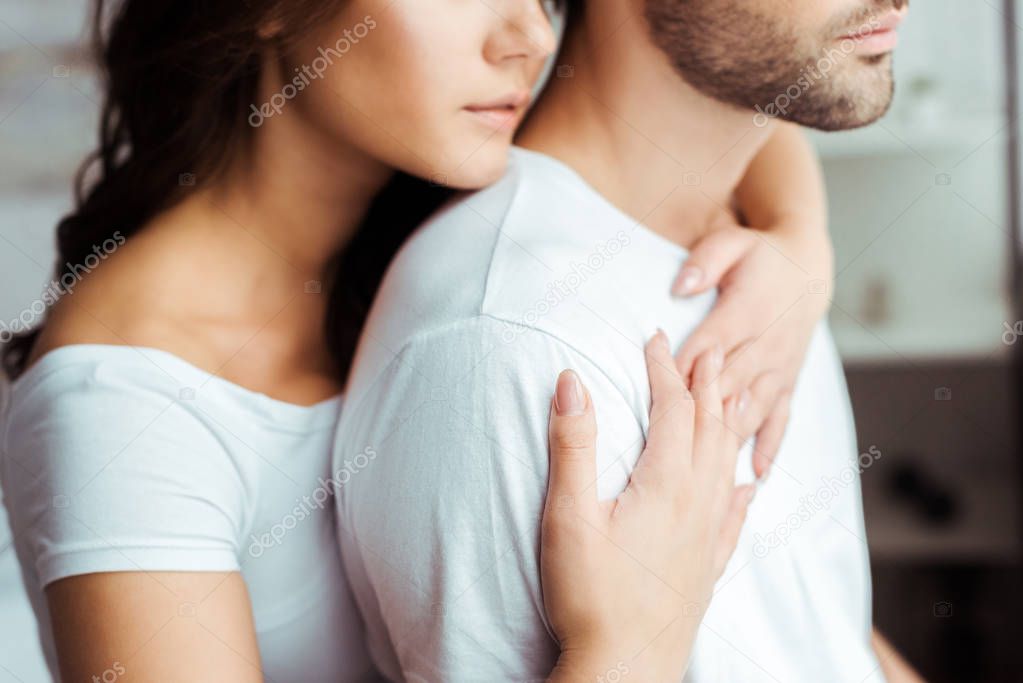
point(505, 279)
point(470, 349)
point(487, 255)
point(440, 274)
point(479, 236)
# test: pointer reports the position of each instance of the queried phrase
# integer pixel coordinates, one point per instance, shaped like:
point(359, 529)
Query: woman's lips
point(496, 117)
point(504, 112)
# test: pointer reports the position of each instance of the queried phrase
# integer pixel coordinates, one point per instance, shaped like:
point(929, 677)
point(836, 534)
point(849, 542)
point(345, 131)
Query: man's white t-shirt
point(451, 387)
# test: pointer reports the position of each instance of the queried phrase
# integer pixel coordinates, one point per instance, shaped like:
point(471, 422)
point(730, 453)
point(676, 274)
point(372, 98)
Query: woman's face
point(434, 88)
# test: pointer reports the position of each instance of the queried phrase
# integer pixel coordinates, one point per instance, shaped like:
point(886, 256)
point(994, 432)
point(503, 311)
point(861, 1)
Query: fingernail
point(569, 398)
point(744, 399)
point(688, 280)
point(662, 339)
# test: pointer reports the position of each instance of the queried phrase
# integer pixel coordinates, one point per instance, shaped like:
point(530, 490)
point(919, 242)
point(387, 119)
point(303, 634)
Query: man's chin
point(844, 124)
point(861, 107)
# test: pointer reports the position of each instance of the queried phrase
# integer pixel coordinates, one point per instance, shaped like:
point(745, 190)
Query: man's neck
point(621, 116)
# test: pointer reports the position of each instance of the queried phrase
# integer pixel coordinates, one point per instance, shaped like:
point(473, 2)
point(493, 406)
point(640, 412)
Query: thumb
point(711, 257)
point(573, 443)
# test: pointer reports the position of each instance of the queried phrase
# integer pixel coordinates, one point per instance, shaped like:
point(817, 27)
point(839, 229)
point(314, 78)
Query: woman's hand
point(626, 582)
point(773, 287)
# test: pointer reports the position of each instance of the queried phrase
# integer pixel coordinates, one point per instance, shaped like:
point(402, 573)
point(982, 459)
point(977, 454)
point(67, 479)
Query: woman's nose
point(525, 32)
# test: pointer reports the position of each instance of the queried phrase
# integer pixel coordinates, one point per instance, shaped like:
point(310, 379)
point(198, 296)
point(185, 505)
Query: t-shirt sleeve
point(107, 470)
point(441, 530)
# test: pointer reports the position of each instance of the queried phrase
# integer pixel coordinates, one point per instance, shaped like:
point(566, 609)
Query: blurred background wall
point(48, 119)
point(923, 314)
point(926, 320)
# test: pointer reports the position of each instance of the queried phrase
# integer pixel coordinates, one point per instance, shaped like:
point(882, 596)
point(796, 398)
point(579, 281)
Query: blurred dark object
point(943, 512)
point(916, 487)
point(954, 621)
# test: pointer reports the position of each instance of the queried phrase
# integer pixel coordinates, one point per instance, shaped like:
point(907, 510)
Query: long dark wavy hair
point(179, 77)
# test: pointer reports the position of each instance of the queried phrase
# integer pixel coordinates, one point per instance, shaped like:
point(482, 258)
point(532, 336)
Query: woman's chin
point(482, 167)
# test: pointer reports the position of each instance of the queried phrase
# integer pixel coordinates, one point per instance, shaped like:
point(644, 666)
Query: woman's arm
point(154, 626)
point(626, 583)
point(784, 184)
point(894, 667)
point(774, 280)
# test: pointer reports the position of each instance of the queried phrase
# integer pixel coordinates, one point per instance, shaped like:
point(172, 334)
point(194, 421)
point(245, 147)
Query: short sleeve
point(441, 530)
point(107, 469)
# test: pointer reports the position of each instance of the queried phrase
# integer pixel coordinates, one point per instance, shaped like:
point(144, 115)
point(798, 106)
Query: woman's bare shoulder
point(142, 294)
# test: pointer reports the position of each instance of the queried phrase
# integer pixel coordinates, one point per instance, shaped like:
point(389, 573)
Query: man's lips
point(878, 35)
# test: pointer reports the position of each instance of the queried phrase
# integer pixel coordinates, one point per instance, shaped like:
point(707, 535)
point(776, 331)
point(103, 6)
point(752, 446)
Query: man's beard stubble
point(762, 63)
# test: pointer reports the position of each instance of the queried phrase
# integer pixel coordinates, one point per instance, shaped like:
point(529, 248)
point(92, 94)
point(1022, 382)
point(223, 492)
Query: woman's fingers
point(669, 439)
point(709, 421)
point(726, 324)
point(759, 401)
point(770, 436)
point(742, 496)
point(743, 362)
point(712, 257)
point(573, 444)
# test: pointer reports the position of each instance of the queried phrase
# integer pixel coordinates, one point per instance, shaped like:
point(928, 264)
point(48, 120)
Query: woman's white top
point(126, 459)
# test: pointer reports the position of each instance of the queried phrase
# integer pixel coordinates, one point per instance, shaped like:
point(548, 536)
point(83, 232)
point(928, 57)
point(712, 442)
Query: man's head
point(820, 63)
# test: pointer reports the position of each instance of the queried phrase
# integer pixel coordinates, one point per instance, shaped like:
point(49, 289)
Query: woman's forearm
point(784, 182)
point(783, 196)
